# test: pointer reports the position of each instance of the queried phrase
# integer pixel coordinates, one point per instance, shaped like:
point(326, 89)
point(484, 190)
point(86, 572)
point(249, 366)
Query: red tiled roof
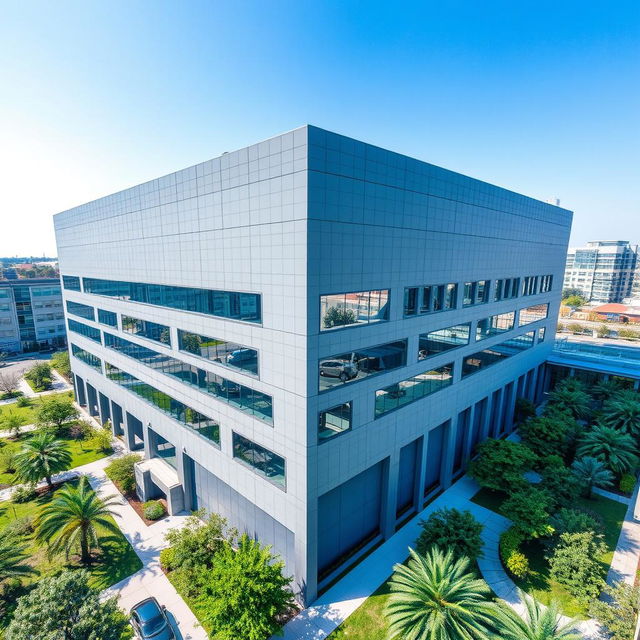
point(614, 307)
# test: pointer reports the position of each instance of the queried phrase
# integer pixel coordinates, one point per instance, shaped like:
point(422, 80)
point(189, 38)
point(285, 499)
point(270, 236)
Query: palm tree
point(541, 623)
point(576, 400)
point(614, 448)
point(72, 518)
point(437, 597)
point(592, 473)
point(12, 559)
point(12, 423)
point(623, 414)
point(605, 389)
point(40, 457)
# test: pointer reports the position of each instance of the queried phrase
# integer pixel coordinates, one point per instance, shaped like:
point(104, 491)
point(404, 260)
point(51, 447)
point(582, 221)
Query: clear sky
point(539, 97)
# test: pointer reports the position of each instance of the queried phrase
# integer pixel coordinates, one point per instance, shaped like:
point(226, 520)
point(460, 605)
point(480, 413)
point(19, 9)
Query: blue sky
point(539, 97)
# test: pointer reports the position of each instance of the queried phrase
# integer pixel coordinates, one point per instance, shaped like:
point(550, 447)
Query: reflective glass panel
point(262, 461)
point(533, 314)
point(361, 363)
point(80, 310)
point(71, 282)
point(435, 342)
point(86, 357)
point(493, 325)
point(350, 309)
point(229, 354)
point(146, 329)
point(485, 358)
point(107, 317)
point(334, 421)
point(84, 330)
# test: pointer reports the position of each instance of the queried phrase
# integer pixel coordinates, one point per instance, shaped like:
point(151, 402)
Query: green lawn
point(81, 453)
point(28, 413)
point(113, 563)
point(538, 583)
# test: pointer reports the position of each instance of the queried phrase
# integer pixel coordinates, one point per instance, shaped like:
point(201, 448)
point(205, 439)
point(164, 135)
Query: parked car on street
point(150, 622)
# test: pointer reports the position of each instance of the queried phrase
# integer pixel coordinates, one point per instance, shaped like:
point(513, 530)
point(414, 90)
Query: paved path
point(25, 428)
point(625, 559)
point(58, 385)
point(612, 496)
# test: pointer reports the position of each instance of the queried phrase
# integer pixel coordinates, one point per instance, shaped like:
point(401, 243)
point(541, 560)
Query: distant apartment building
point(31, 315)
point(311, 335)
point(602, 270)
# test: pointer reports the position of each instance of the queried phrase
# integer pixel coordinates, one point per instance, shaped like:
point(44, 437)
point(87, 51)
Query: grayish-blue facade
point(312, 334)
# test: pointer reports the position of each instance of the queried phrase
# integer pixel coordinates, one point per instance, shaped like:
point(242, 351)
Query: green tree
point(40, 457)
point(622, 414)
point(40, 376)
point(501, 463)
point(65, 607)
point(190, 342)
point(560, 483)
point(244, 592)
point(592, 473)
point(575, 400)
point(604, 390)
point(575, 563)
point(573, 521)
point(336, 317)
point(615, 449)
point(55, 412)
point(12, 422)
point(525, 409)
point(619, 611)
point(575, 301)
point(60, 362)
point(528, 507)
point(102, 439)
point(546, 435)
point(13, 558)
point(72, 519)
point(540, 623)
point(122, 472)
point(451, 529)
point(571, 291)
point(437, 597)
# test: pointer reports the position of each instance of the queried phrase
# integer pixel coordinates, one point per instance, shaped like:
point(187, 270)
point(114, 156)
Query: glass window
point(80, 310)
point(334, 421)
point(237, 395)
point(86, 357)
point(541, 332)
point(546, 283)
point(196, 421)
point(435, 342)
point(530, 286)
point(493, 325)
point(223, 304)
point(361, 363)
point(506, 289)
point(146, 329)
point(71, 282)
point(85, 330)
point(229, 354)
point(262, 461)
point(469, 294)
point(166, 451)
point(415, 388)
point(485, 358)
point(533, 314)
point(475, 293)
point(350, 309)
point(107, 317)
point(41, 292)
point(429, 298)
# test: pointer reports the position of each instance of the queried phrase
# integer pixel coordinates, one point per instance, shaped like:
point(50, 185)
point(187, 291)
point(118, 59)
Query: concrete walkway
point(25, 428)
point(611, 496)
point(625, 559)
point(58, 385)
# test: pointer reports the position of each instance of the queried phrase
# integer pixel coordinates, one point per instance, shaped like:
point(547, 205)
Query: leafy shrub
point(575, 563)
point(574, 521)
point(60, 362)
point(627, 483)
point(629, 334)
point(8, 460)
point(39, 376)
point(23, 402)
point(153, 510)
point(501, 463)
point(562, 484)
point(24, 493)
point(167, 559)
point(450, 529)
point(528, 507)
point(20, 527)
point(525, 409)
point(55, 412)
point(9, 395)
point(102, 440)
point(81, 430)
point(121, 472)
point(196, 543)
point(619, 611)
point(512, 558)
point(546, 435)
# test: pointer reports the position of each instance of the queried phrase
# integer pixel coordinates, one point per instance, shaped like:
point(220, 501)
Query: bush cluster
point(122, 473)
point(153, 510)
point(513, 559)
point(451, 529)
point(24, 493)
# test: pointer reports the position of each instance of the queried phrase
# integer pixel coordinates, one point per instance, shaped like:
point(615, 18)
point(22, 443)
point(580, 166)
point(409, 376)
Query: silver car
point(342, 369)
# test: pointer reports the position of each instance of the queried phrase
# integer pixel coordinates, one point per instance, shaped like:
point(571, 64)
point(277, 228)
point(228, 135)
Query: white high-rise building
point(602, 270)
point(310, 335)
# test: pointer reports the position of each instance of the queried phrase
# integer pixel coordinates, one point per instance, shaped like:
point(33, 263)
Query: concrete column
point(484, 426)
point(421, 467)
point(129, 437)
point(150, 443)
point(511, 409)
point(534, 385)
point(448, 454)
point(466, 449)
point(391, 469)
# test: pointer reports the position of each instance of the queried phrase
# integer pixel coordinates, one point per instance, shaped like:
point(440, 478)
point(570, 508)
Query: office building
point(31, 316)
point(310, 335)
point(603, 270)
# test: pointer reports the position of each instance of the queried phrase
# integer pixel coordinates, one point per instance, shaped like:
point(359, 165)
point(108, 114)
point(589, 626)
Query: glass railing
point(589, 350)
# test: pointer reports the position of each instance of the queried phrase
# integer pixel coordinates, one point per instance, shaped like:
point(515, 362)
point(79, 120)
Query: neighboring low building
point(311, 335)
point(31, 315)
point(618, 312)
point(603, 270)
